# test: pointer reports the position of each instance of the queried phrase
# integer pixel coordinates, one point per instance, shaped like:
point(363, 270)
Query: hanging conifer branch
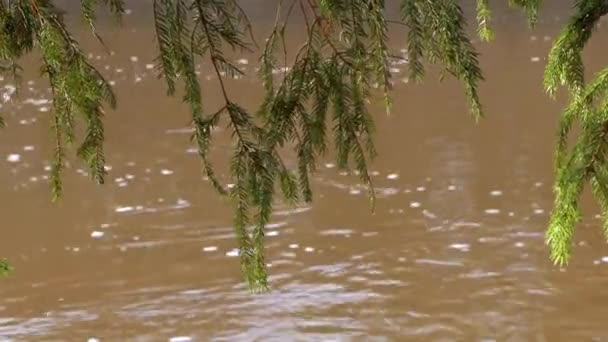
point(586, 161)
point(483, 19)
point(531, 8)
point(437, 33)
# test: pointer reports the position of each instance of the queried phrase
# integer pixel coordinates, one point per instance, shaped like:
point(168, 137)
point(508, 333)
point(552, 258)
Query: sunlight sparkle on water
point(492, 211)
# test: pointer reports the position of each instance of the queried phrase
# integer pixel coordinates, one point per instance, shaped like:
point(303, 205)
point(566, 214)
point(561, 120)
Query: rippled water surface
point(454, 251)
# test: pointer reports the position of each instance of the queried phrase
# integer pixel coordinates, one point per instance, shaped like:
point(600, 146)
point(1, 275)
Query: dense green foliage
point(324, 92)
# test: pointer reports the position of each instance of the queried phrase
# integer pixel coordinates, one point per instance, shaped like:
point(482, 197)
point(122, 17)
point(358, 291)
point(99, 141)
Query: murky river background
point(454, 252)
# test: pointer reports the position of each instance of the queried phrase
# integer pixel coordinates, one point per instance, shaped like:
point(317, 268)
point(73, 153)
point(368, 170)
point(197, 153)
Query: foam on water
point(387, 191)
point(392, 176)
point(415, 204)
point(336, 232)
point(276, 225)
point(232, 253)
point(463, 247)
point(13, 158)
point(97, 234)
point(36, 102)
point(180, 339)
point(184, 130)
point(292, 211)
point(428, 214)
point(124, 209)
point(438, 262)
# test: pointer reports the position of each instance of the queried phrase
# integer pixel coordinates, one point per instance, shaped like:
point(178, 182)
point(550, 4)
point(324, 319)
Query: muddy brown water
point(454, 251)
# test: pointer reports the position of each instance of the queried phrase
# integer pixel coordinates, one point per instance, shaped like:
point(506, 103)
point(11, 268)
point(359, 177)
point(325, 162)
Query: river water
point(454, 251)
